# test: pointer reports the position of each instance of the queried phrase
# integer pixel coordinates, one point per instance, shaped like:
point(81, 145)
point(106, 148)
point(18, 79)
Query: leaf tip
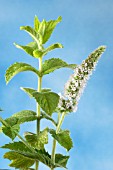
point(59, 18)
point(22, 27)
point(22, 88)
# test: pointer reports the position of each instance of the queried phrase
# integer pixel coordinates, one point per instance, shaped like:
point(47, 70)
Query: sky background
point(86, 25)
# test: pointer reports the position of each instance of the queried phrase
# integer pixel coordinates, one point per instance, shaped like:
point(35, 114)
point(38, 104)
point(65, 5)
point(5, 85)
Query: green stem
point(60, 120)
point(38, 106)
point(53, 151)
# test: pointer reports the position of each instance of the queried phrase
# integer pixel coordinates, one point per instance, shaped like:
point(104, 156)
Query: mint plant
point(26, 153)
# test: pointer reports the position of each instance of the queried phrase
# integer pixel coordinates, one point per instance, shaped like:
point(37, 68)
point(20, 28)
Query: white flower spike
point(77, 82)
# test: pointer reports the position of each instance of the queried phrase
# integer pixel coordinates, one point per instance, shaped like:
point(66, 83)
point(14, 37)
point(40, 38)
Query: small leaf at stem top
point(36, 23)
point(31, 31)
point(49, 27)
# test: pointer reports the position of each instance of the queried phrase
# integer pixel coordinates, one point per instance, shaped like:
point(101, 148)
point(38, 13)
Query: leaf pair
point(22, 157)
point(35, 52)
point(63, 138)
point(47, 67)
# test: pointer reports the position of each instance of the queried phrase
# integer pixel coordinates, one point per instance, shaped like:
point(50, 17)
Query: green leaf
point(17, 68)
point(49, 27)
point(39, 53)
point(52, 47)
point(54, 64)
point(63, 138)
point(21, 117)
point(19, 160)
point(11, 132)
point(36, 23)
point(29, 48)
point(61, 160)
point(31, 32)
point(11, 126)
point(37, 142)
point(21, 155)
point(41, 29)
point(20, 151)
point(29, 91)
point(11, 121)
point(16, 146)
point(48, 101)
point(25, 116)
point(45, 116)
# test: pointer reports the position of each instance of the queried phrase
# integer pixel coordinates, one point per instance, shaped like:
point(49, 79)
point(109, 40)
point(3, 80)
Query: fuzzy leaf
point(31, 32)
point(29, 48)
point(52, 47)
point(54, 64)
point(63, 138)
point(11, 132)
point(18, 160)
point(25, 116)
point(61, 160)
point(29, 91)
point(37, 142)
point(11, 121)
point(17, 68)
point(49, 27)
point(17, 146)
point(48, 101)
point(36, 23)
point(42, 27)
point(21, 117)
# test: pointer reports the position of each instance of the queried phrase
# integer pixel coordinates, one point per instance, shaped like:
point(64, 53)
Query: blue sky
point(85, 26)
